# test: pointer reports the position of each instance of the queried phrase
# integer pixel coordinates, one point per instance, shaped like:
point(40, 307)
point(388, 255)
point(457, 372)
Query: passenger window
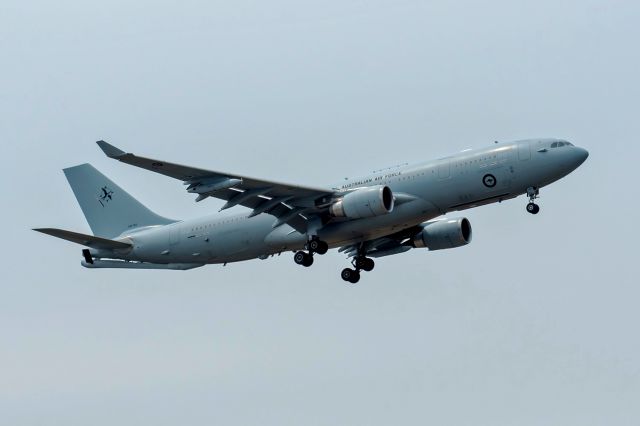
point(554, 145)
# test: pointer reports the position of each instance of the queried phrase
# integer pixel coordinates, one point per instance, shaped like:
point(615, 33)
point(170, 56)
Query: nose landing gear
point(533, 208)
point(533, 193)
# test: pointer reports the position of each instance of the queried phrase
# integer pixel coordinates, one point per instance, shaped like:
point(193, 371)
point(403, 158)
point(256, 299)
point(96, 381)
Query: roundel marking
point(489, 181)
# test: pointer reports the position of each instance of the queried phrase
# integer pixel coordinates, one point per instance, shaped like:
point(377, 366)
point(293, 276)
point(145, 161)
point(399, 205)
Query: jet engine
point(444, 234)
point(364, 202)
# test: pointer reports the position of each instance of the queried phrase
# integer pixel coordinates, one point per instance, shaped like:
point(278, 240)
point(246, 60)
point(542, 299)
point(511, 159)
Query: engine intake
point(444, 234)
point(364, 202)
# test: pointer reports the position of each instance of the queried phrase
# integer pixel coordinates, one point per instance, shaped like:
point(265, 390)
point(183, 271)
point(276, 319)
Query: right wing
point(291, 204)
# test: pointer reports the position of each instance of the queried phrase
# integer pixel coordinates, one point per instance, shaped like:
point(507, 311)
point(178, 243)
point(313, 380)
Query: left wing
point(290, 204)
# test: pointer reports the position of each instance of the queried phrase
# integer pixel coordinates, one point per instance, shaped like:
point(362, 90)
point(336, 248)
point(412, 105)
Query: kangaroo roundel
point(489, 180)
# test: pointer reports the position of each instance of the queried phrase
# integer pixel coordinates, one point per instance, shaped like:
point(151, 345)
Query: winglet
point(110, 150)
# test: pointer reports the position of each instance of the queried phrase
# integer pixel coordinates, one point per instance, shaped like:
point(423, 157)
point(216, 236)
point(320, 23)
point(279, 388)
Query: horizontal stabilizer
point(85, 240)
point(110, 150)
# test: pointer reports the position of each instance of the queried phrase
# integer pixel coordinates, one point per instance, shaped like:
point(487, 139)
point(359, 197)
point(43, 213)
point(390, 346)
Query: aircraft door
point(524, 151)
point(444, 170)
point(174, 234)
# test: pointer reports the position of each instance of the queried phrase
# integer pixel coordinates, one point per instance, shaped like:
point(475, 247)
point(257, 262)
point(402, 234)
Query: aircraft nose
point(576, 156)
point(582, 154)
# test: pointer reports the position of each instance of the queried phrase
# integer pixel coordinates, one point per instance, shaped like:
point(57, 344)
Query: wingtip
point(42, 230)
point(110, 150)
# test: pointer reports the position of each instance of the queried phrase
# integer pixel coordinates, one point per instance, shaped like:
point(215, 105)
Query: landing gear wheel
point(364, 263)
point(533, 208)
point(323, 248)
point(318, 246)
point(308, 261)
point(368, 264)
point(299, 257)
point(346, 274)
point(350, 275)
point(302, 258)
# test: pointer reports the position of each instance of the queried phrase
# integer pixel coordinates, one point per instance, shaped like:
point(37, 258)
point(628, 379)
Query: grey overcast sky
point(534, 323)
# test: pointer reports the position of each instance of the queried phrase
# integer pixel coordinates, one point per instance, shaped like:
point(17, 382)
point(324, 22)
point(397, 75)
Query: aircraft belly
point(241, 241)
point(285, 238)
point(200, 243)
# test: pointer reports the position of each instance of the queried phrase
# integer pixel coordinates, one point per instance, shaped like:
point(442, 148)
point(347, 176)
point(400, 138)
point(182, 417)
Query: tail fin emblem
point(105, 196)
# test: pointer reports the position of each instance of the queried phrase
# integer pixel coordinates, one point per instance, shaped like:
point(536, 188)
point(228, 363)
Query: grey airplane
point(388, 212)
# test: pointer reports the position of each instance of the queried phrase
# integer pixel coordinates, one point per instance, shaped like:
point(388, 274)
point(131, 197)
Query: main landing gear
point(314, 246)
point(533, 193)
point(359, 263)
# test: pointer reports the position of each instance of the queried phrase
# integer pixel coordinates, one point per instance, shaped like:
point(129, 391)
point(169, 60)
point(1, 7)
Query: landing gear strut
point(360, 263)
point(314, 246)
point(533, 193)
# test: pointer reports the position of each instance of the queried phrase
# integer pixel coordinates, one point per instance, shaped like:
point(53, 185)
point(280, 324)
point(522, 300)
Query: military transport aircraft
point(388, 212)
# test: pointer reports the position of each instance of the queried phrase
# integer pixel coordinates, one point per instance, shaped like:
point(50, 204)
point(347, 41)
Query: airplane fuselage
point(422, 192)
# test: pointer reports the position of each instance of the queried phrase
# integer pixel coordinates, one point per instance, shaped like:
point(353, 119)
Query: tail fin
point(109, 209)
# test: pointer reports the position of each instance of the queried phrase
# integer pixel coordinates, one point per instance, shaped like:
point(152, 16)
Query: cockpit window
point(561, 143)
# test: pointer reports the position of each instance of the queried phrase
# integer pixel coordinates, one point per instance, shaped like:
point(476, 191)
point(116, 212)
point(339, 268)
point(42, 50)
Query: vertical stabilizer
point(109, 209)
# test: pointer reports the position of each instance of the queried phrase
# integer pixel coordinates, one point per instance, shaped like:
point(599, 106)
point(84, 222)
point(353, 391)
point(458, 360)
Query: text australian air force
point(370, 180)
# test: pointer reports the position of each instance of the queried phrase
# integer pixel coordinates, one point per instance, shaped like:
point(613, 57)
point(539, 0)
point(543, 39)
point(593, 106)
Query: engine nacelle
point(444, 234)
point(364, 202)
